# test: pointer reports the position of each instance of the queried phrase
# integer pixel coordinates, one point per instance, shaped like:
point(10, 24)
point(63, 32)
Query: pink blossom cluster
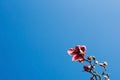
point(79, 54)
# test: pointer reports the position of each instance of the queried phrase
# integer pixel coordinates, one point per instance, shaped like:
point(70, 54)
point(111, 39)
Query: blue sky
point(35, 36)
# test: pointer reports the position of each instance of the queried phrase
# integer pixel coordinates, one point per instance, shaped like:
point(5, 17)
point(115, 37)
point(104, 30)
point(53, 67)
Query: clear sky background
point(35, 36)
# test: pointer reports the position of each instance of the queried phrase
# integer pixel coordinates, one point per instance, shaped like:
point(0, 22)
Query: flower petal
point(81, 59)
point(71, 51)
point(77, 57)
point(78, 47)
point(83, 48)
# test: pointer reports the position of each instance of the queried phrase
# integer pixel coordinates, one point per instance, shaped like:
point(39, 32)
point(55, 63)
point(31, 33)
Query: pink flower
point(77, 53)
point(87, 68)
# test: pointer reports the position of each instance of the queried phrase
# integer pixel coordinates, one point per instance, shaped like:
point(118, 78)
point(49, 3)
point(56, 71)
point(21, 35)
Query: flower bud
point(96, 62)
point(101, 64)
point(90, 58)
point(87, 68)
point(105, 63)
